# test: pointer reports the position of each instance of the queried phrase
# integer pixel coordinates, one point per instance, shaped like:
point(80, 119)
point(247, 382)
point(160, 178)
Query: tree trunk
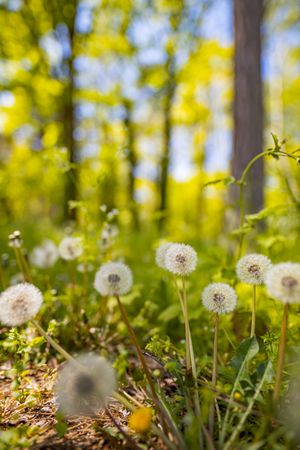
point(132, 163)
point(248, 101)
point(71, 181)
point(167, 131)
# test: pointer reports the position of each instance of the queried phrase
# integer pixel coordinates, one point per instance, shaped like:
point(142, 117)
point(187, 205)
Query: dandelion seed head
point(180, 259)
point(283, 282)
point(84, 385)
point(70, 248)
point(160, 256)
point(219, 298)
point(19, 303)
point(252, 269)
point(45, 255)
point(113, 278)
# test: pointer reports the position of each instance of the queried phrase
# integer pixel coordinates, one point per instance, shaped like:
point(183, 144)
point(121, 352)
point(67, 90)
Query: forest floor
point(38, 414)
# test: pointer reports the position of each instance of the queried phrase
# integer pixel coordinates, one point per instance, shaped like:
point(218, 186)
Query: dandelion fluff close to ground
point(19, 303)
point(181, 259)
point(219, 298)
point(160, 256)
point(113, 278)
point(252, 269)
point(45, 255)
point(283, 282)
point(70, 248)
point(83, 386)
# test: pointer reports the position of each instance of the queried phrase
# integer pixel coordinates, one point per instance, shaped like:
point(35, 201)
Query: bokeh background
point(137, 104)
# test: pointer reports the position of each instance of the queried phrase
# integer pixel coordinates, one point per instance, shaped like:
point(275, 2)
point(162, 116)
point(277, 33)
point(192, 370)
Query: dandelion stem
point(281, 352)
point(129, 439)
point(253, 312)
point(52, 342)
point(190, 356)
point(2, 282)
point(214, 370)
point(19, 264)
point(137, 347)
point(164, 414)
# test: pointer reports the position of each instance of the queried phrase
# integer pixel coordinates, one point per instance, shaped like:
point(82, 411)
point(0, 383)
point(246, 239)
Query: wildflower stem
point(123, 399)
point(129, 439)
point(161, 409)
point(52, 342)
point(214, 370)
point(137, 347)
point(19, 263)
point(281, 352)
point(2, 282)
point(190, 357)
point(253, 312)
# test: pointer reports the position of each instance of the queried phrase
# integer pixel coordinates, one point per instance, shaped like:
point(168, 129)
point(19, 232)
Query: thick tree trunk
point(248, 101)
point(132, 163)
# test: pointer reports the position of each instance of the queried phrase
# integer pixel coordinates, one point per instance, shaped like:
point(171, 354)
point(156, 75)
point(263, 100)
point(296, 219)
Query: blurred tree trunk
point(248, 100)
point(167, 132)
point(71, 181)
point(132, 162)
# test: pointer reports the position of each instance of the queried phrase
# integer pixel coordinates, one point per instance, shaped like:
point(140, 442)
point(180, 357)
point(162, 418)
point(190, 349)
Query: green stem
point(120, 398)
point(241, 183)
point(19, 264)
point(2, 281)
point(52, 342)
point(164, 414)
point(239, 427)
point(253, 312)
point(214, 371)
point(281, 352)
point(129, 439)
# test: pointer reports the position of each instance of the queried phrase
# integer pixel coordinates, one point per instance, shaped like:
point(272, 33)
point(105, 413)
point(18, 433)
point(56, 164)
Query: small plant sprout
point(283, 283)
point(252, 269)
point(84, 385)
point(140, 419)
point(20, 304)
point(45, 255)
point(181, 260)
point(220, 298)
point(70, 248)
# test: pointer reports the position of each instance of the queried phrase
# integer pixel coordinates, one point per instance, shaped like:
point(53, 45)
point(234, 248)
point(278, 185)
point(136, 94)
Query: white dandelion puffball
point(19, 303)
point(181, 259)
point(160, 256)
point(219, 298)
point(83, 386)
point(70, 248)
point(283, 282)
point(113, 278)
point(252, 269)
point(45, 255)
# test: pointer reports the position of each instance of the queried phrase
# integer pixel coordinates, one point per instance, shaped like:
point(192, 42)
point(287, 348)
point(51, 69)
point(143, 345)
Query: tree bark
point(132, 163)
point(248, 98)
point(71, 181)
point(167, 134)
